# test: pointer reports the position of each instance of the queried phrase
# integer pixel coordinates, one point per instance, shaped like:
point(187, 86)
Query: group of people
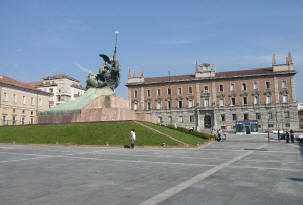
point(288, 135)
point(219, 134)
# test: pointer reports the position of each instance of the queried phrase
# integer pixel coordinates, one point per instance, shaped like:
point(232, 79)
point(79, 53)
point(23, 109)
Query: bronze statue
point(109, 72)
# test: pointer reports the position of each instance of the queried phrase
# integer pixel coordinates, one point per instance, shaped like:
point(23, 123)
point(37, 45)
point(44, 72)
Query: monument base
point(97, 104)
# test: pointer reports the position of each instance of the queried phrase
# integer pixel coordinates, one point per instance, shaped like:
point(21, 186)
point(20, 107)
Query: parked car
point(276, 131)
point(299, 138)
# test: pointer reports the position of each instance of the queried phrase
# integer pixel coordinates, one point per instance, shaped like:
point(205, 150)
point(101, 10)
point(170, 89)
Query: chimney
point(197, 67)
point(129, 73)
point(142, 72)
point(274, 62)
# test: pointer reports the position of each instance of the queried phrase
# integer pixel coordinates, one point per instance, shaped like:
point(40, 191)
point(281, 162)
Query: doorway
point(207, 121)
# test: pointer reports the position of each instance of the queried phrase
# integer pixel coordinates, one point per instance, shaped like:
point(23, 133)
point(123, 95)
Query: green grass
point(184, 137)
point(115, 133)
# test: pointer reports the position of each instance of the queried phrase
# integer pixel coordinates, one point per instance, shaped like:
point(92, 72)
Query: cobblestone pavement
point(237, 171)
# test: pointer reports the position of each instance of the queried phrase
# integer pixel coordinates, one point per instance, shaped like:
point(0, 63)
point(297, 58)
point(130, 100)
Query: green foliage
point(182, 134)
point(115, 133)
point(195, 132)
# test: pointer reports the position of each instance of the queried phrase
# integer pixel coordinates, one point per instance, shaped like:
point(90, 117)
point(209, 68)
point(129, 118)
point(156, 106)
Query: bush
point(189, 131)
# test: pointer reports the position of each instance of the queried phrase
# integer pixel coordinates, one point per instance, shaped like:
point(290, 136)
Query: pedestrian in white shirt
point(132, 138)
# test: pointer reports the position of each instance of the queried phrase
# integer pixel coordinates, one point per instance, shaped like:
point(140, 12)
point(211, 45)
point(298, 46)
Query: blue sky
point(40, 38)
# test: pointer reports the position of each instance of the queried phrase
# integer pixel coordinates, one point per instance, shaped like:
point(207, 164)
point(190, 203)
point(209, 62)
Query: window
point(270, 125)
point(32, 112)
point(285, 99)
point(267, 85)
point(136, 106)
point(22, 120)
point(14, 120)
point(287, 125)
point(221, 102)
point(51, 90)
point(159, 120)
point(3, 120)
point(23, 100)
point(232, 87)
point(191, 118)
point(244, 100)
point(168, 104)
point(205, 89)
point(168, 91)
point(268, 99)
point(283, 83)
point(15, 98)
point(270, 115)
point(234, 116)
point(5, 97)
point(159, 105)
point(258, 116)
point(179, 91)
point(243, 86)
point(180, 119)
point(233, 101)
point(190, 90)
point(245, 116)
point(135, 94)
point(256, 86)
point(190, 103)
point(149, 107)
point(286, 114)
point(32, 120)
point(40, 102)
point(222, 117)
point(158, 92)
point(148, 93)
point(23, 111)
point(221, 88)
point(32, 101)
point(256, 100)
point(14, 110)
point(180, 103)
point(206, 102)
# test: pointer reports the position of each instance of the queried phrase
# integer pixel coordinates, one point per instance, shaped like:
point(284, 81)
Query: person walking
point(292, 138)
point(287, 136)
point(132, 138)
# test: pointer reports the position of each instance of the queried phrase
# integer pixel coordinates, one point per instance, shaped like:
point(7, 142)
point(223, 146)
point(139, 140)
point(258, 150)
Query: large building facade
point(62, 88)
point(19, 102)
point(256, 100)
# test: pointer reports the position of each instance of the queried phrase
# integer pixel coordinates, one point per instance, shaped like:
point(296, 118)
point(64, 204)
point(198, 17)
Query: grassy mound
point(182, 134)
point(115, 133)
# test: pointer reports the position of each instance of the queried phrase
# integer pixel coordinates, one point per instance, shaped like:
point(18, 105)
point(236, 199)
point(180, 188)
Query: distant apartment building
point(243, 100)
point(19, 102)
point(63, 88)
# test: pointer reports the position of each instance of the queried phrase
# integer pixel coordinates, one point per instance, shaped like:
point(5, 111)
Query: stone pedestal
point(97, 104)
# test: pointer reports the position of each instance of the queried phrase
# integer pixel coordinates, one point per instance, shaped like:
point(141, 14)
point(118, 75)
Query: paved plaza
point(242, 170)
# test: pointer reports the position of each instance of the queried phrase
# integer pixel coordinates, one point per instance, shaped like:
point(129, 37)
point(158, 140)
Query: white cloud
point(82, 68)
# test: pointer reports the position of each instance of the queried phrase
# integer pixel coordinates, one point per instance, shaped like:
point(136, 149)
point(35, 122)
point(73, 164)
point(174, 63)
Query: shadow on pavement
point(296, 179)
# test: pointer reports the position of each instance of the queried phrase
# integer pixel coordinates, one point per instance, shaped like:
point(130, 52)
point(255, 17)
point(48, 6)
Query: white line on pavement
point(18, 160)
point(267, 168)
point(180, 187)
point(141, 161)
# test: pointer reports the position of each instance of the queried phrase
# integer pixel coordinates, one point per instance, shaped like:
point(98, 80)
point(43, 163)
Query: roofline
point(34, 90)
point(215, 78)
point(66, 76)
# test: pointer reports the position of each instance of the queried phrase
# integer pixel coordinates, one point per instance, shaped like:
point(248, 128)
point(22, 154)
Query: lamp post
point(269, 117)
point(170, 102)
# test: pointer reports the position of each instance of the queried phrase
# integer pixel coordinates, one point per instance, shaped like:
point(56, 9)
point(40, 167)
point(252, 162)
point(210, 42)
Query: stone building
point(255, 100)
point(63, 88)
point(19, 102)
